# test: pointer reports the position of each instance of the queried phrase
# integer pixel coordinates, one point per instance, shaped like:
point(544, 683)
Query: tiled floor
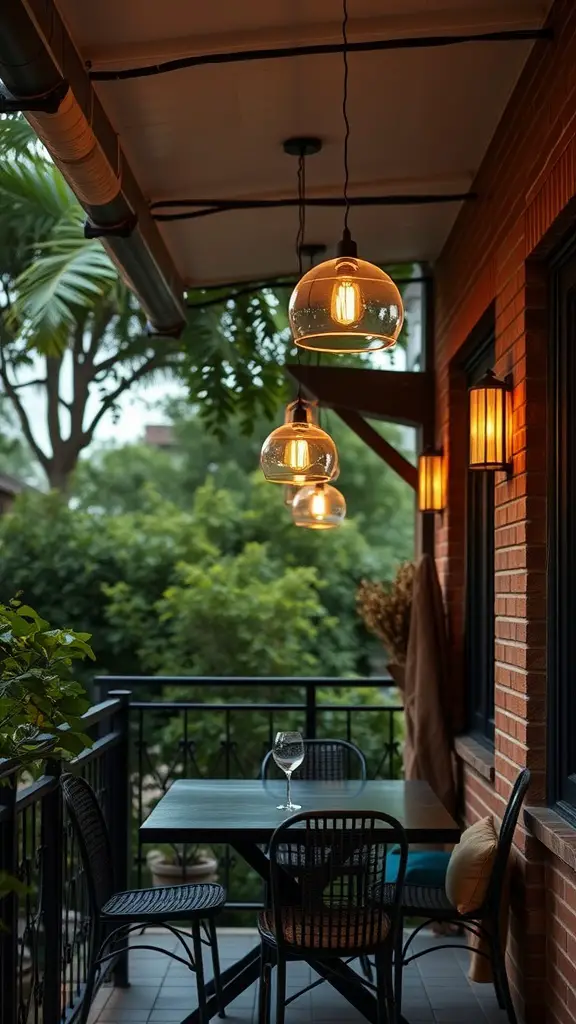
point(436, 991)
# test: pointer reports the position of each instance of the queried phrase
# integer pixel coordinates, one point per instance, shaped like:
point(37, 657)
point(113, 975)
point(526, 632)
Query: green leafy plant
point(40, 703)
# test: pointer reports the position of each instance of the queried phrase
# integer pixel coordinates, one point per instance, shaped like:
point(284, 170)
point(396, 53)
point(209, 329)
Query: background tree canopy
point(185, 561)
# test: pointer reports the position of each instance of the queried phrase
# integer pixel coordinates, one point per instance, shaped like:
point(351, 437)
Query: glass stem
point(288, 793)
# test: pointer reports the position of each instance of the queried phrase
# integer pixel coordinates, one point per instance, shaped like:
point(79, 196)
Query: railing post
point(311, 710)
point(120, 809)
point(8, 905)
point(52, 825)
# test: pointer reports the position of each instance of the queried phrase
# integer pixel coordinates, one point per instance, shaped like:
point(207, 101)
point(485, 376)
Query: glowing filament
point(318, 504)
point(297, 455)
point(346, 303)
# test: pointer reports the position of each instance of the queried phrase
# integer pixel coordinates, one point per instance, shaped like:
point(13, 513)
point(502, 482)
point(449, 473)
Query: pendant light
point(321, 507)
point(346, 304)
point(299, 452)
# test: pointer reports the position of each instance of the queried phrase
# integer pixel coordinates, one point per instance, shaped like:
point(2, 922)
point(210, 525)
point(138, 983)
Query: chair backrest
point(327, 888)
point(505, 838)
point(325, 761)
point(92, 837)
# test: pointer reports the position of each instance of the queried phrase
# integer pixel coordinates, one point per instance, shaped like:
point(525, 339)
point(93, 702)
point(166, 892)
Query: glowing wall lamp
point(431, 483)
point(490, 417)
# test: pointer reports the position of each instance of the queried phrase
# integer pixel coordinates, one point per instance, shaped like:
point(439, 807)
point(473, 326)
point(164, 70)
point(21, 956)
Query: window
point(480, 566)
point(562, 533)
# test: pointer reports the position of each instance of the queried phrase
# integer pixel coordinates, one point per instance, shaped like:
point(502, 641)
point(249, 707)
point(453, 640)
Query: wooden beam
point(401, 397)
point(381, 446)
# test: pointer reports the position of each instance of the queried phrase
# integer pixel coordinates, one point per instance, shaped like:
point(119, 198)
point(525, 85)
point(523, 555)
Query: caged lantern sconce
point(490, 423)
point(431, 481)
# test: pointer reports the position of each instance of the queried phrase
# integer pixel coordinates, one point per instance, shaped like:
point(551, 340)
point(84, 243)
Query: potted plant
point(177, 865)
point(385, 609)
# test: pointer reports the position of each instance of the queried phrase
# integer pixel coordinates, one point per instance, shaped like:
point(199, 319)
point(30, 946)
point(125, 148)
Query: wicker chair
point(326, 761)
point(115, 914)
point(324, 871)
point(432, 903)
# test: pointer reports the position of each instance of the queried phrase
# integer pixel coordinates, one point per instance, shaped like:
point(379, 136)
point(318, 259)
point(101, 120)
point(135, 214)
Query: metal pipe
point(28, 71)
point(210, 207)
point(319, 49)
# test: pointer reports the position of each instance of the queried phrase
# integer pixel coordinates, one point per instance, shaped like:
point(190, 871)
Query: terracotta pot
point(398, 673)
point(164, 872)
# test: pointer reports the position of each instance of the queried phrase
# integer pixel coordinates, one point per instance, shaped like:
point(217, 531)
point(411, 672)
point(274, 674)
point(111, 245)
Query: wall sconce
point(431, 483)
point(490, 418)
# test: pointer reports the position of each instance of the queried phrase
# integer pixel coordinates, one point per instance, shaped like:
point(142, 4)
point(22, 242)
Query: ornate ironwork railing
point(45, 925)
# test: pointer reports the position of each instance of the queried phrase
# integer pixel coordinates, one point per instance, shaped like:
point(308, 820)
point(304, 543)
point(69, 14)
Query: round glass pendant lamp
point(321, 507)
point(346, 305)
point(299, 452)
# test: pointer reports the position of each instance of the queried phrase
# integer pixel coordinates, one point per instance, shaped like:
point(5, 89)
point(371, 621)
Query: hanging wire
point(345, 109)
point(301, 231)
point(301, 210)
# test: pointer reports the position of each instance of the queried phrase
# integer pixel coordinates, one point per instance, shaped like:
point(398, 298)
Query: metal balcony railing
point(148, 731)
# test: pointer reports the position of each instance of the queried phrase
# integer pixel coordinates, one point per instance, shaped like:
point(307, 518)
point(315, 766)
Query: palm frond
point(18, 139)
point(70, 273)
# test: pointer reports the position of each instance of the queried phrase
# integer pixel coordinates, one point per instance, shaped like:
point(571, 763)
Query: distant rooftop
point(159, 435)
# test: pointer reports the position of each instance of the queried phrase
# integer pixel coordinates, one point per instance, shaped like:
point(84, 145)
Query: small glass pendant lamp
point(299, 452)
point(321, 507)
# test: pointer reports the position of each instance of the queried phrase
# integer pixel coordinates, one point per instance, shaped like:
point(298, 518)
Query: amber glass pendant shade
point(490, 424)
point(346, 305)
point(321, 507)
point(431, 483)
point(299, 452)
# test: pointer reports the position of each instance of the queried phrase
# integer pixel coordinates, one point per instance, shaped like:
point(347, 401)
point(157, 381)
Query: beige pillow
point(470, 866)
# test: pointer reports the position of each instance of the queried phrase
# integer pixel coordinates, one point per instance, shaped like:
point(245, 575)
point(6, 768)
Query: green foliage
point(40, 704)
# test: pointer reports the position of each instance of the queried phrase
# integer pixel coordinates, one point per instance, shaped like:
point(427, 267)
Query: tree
point(71, 328)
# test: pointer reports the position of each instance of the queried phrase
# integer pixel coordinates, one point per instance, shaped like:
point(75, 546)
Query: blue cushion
point(423, 867)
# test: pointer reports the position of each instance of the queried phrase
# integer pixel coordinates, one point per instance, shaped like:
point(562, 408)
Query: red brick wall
point(496, 254)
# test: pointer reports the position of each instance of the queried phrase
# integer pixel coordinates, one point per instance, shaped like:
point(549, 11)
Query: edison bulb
point(346, 303)
point(297, 455)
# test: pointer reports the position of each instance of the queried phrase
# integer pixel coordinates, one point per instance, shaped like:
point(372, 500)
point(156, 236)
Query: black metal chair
point(325, 869)
point(325, 760)
point(115, 914)
point(432, 903)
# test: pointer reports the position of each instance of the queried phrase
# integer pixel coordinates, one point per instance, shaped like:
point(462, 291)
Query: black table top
point(240, 810)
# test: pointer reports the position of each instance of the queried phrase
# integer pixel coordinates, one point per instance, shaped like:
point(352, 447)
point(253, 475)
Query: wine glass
point(288, 753)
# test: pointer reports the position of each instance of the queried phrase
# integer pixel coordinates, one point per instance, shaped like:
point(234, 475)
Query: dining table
point(244, 813)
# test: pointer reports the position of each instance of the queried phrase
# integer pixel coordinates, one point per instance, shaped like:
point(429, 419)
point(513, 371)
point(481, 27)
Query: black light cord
point(345, 109)
point(301, 211)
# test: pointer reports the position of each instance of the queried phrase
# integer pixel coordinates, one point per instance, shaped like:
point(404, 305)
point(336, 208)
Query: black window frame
point(480, 614)
point(561, 568)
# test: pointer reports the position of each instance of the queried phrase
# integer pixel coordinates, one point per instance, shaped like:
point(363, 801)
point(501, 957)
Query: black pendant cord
point(345, 111)
point(300, 236)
